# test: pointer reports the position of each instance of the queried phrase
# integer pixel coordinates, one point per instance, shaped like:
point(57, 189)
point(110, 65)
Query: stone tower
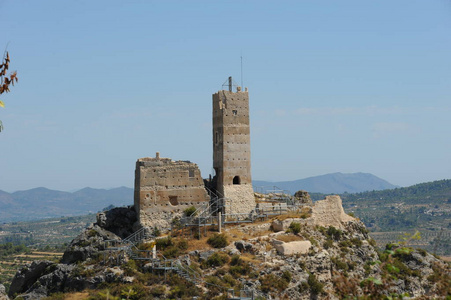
point(232, 149)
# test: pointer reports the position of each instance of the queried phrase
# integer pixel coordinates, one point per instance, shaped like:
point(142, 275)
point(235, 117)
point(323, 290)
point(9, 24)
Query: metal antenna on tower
point(242, 86)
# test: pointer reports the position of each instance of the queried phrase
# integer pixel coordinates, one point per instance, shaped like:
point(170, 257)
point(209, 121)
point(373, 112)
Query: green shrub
point(295, 227)
point(286, 275)
point(157, 290)
point(218, 240)
point(182, 244)
point(190, 211)
point(273, 283)
point(156, 231)
point(340, 264)
point(357, 242)
point(217, 259)
point(334, 233)
point(315, 286)
point(422, 252)
point(164, 243)
point(328, 244)
point(171, 252)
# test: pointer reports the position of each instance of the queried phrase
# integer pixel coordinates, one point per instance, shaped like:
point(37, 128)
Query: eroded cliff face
point(317, 252)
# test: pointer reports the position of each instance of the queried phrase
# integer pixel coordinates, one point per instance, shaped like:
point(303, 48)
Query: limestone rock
point(329, 212)
point(118, 220)
point(87, 244)
point(244, 246)
point(3, 295)
point(27, 276)
point(292, 248)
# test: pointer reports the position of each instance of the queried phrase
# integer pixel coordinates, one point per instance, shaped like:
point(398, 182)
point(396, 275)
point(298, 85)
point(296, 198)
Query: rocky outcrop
point(3, 295)
point(88, 244)
point(119, 220)
point(28, 275)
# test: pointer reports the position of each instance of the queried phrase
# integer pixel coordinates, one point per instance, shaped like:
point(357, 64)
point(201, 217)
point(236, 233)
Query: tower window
point(173, 200)
point(216, 138)
point(236, 180)
point(234, 112)
point(191, 173)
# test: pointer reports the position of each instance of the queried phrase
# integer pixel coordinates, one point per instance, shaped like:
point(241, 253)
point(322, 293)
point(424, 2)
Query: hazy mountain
point(330, 183)
point(41, 202)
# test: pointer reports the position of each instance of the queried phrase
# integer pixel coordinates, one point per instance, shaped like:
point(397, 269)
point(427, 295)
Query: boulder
point(3, 295)
point(27, 276)
point(292, 248)
point(244, 246)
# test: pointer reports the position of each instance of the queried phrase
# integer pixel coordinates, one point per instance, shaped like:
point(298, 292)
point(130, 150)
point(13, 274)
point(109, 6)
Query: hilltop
point(316, 252)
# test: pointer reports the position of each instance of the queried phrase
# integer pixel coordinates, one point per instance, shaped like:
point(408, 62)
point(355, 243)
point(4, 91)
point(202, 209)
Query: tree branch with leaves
point(6, 79)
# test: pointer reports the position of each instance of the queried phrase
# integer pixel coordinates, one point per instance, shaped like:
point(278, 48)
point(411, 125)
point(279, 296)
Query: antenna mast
point(242, 86)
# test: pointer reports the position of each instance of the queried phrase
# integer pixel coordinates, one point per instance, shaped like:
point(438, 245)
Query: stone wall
point(165, 188)
point(239, 199)
point(329, 212)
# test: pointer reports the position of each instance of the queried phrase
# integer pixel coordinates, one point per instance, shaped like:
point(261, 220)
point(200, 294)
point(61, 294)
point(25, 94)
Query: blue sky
point(335, 86)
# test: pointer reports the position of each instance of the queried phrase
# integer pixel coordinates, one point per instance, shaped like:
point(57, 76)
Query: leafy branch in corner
point(5, 79)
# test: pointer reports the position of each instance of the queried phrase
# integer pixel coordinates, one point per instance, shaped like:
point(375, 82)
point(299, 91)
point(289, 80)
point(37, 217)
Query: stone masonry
point(165, 188)
point(232, 150)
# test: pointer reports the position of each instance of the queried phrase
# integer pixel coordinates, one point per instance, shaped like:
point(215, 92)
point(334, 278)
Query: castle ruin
point(165, 188)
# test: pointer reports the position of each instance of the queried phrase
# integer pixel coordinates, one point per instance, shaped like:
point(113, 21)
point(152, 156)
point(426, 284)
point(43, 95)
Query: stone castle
point(165, 188)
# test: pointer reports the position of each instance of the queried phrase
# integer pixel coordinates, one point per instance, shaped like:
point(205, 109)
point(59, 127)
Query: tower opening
point(236, 180)
point(173, 200)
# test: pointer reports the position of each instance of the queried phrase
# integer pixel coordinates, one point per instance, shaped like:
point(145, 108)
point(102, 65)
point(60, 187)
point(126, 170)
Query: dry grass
point(195, 244)
point(289, 215)
point(289, 238)
point(250, 258)
point(48, 253)
point(76, 296)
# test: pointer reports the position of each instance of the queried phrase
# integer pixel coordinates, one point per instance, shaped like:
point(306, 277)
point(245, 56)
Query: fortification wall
point(165, 188)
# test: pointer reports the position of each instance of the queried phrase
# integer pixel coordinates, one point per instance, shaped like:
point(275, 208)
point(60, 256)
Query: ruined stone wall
point(329, 212)
point(232, 150)
point(165, 188)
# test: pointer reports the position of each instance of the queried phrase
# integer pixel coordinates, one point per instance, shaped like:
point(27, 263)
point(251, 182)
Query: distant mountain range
point(335, 183)
point(41, 202)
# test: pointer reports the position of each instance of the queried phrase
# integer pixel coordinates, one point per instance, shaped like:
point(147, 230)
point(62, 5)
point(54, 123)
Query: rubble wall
point(165, 188)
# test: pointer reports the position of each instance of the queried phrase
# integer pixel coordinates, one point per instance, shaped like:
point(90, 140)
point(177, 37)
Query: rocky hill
point(317, 252)
point(335, 183)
